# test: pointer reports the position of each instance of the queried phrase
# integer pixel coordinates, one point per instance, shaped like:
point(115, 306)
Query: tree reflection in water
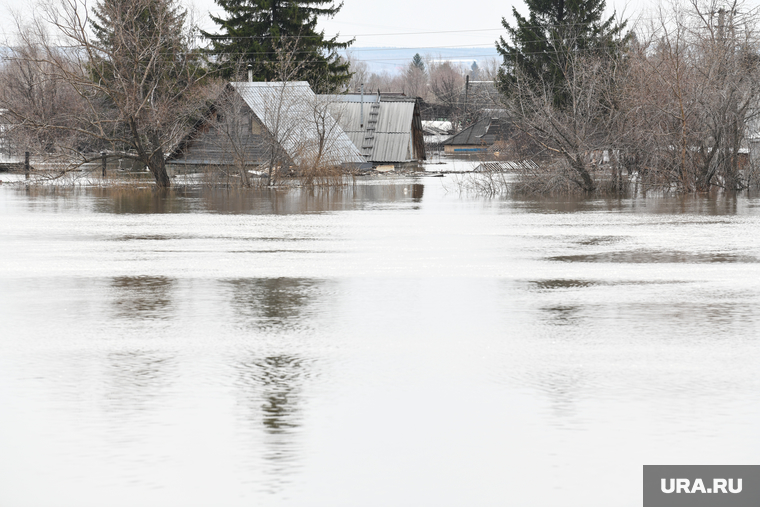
point(272, 387)
point(143, 297)
point(271, 382)
point(275, 304)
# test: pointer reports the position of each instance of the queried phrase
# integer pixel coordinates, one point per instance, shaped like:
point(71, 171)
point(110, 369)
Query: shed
point(479, 136)
point(386, 128)
point(251, 119)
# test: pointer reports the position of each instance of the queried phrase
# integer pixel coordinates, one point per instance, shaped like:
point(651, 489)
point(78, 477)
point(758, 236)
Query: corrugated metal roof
point(395, 117)
point(392, 147)
point(349, 116)
point(393, 132)
point(472, 134)
point(367, 98)
point(298, 119)
point(506, 166)
point(485, 131)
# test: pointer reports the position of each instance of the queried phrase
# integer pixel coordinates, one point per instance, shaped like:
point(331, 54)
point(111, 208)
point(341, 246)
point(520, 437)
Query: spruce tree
point(418, 63)
point(539, 45)
point(148, 34)
point(270, 34)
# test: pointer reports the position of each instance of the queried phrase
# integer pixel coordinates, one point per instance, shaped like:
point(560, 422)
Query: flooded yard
point(388, 343)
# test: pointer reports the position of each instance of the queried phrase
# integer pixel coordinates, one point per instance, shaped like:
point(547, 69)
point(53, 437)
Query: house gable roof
point(298, 120)
point(393, 136)
point(485, 131)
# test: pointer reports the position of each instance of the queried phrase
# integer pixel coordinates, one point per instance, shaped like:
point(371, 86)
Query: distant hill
point(394, 60)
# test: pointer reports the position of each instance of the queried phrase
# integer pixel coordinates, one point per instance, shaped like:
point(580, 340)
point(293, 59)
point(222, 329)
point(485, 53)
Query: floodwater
point(390, 343)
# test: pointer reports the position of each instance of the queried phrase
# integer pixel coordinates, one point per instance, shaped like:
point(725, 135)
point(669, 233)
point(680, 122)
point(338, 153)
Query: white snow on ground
point(451, 165)
point(11, 177)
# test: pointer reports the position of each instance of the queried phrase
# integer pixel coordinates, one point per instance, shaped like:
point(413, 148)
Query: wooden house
point(262, 123)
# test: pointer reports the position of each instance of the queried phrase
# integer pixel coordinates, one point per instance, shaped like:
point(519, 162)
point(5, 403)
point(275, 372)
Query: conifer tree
point(149, 34)
point(258, 32)
point(539, 45)
point(418, 63)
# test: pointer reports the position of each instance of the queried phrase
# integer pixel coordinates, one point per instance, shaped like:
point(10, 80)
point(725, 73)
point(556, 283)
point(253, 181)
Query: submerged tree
point(538, 46)
point(560, 80)
point(696, 92)
point(139, 85)
point(253, 31)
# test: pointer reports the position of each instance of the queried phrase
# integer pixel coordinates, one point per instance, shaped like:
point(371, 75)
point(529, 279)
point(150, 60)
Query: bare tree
point(696, 89)
point(415, 81)
point(576, 136)
point(359, 72)
point(446, 84)
point(33, 93)
point(132, 66)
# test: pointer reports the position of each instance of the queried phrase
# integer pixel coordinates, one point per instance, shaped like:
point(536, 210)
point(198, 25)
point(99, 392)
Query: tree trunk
point(158, 168)
point(244, 179)
point(157, 164)
point(580, 168)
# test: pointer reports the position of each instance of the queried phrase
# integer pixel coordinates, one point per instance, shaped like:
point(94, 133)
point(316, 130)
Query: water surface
point(389, 343)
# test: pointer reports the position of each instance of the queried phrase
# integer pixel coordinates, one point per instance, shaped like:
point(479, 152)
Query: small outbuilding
point(479, 136)
point(386, 128)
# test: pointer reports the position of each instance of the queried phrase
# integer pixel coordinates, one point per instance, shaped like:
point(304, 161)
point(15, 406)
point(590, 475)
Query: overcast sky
point(399, 23)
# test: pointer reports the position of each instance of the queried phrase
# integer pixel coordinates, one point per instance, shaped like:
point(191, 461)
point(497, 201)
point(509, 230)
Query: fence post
point(26, 164)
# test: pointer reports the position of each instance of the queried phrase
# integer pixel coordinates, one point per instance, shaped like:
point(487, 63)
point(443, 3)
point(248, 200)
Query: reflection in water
point(143, 200)
point(562, 284)
point(313, 200)
point(145, 237)
point(417, 191)
point(563, 389)
point(658, 256)
point(135, 379)
point(723, 318)
point(715, 204)
point(271, 388)
point(143, 297)
point(563, 315)
point(274, 303)
point(579, 344)
point(360, 195)
point(600, 240)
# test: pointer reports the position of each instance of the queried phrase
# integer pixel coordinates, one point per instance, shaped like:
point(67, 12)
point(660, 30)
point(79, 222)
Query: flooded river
point(390, 343)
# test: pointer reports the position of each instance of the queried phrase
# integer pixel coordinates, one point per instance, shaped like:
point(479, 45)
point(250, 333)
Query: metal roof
point(485, 131)
point(298, 120)
point(506, 166)
point(392, 137)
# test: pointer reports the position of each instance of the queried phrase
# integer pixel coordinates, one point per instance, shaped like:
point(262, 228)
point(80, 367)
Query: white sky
point(401, 23)
point(396, 23)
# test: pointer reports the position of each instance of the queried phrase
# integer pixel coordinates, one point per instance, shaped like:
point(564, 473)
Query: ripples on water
point(385, 343)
